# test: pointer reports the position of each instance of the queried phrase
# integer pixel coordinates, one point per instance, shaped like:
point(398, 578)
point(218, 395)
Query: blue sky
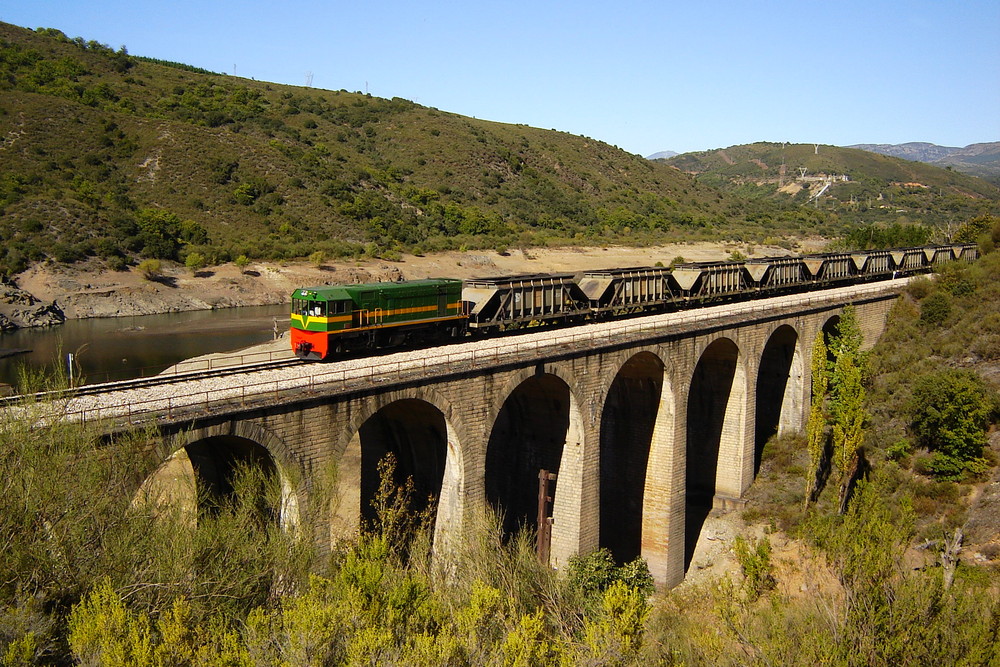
point(642, 75)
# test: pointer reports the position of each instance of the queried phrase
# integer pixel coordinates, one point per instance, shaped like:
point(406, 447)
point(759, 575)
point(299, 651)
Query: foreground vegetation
point(90, 575)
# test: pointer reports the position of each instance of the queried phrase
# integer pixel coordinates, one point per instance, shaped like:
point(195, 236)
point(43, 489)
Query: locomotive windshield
point(305, 307)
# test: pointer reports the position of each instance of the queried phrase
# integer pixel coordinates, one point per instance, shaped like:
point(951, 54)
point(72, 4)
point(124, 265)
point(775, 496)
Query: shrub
point(951, 411)
point(195, 261)
point(755, 561)
point(150, 269)
point(920, 287)
point(317, 258)
point(935, 309)
point(116, 263)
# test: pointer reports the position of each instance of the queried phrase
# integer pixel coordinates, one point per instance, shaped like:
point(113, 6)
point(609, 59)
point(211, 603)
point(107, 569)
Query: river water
point(121, 348)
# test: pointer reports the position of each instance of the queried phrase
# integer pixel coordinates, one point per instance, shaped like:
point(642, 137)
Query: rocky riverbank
point(19, 308)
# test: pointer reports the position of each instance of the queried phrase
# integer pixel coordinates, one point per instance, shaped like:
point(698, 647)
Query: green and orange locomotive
point(329, 320)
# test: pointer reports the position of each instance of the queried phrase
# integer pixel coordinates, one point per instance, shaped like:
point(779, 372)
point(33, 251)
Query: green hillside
point(863, 187)
point(121, 157)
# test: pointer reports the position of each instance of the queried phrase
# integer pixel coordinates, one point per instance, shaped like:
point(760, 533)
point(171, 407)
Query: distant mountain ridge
point(982, 160)
point(860, 186)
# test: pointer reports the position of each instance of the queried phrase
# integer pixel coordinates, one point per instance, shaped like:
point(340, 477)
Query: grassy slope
point(92, 137)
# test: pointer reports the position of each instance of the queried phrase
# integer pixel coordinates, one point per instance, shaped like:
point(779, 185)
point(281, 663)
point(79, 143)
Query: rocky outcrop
point(19, 308)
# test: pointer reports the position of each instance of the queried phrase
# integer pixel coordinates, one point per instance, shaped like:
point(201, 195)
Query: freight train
point(328, 321)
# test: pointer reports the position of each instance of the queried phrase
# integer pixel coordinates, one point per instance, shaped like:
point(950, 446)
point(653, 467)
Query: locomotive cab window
point(309, 308)
point(339, 307)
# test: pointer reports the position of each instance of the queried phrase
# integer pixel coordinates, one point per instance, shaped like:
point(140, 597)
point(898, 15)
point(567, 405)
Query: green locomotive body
point(327, 320)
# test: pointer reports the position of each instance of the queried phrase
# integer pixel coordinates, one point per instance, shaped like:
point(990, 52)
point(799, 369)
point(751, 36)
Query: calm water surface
point(120, 348)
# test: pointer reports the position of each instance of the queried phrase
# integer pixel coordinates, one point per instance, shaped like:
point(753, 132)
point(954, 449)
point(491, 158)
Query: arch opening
point(779, 393)
point(714, 403)
point(528, 436)
point(416, 434)
point(227, 468)
point(831, 329)
point(627, 423)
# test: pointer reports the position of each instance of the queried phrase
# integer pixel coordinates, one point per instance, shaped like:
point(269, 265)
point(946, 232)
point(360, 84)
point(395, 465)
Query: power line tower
point(309, 79)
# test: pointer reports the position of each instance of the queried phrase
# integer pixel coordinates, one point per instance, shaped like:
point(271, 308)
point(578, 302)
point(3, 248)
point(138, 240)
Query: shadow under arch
point(714, 414)
point(779, 389)
point(528, 435)
point(426, 451)
point(831, 329)
point(627, 423)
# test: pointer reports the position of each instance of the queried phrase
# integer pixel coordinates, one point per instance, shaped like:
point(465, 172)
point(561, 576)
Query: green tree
point(242, 262)
point(816, 426)
point(936, 308)
point(159, 233)
point(974, 228)
point(151, 269)
point(847, 399)
point(951, 412)
point(246, 193)
point(317, 258)
point(195, 261)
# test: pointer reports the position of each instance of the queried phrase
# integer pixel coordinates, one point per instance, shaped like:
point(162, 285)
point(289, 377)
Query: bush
point(195, 261)
point(150, 269)
point(951, 411)
point(317, 258)
point(935, 309)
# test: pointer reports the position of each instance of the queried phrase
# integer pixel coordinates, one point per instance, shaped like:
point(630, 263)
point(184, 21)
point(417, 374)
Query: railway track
point(152, 381)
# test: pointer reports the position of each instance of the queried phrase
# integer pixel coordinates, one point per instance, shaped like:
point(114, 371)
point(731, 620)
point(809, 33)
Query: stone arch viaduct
point(647, 428)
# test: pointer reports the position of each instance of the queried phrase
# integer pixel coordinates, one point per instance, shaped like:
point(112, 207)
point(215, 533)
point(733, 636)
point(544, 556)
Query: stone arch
point(628, 422)
point(779, 394)
point(538, 426)
point(716, 414)
point(206, 459)
point(417, 429)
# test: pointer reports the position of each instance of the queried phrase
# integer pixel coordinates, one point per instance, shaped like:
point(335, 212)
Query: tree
point(317, 258)
point(150, 269)
point(242, 262)
point(195, 261)
point(816, 426)
point(951, 412)
point(974, 228)
point(847, 399)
